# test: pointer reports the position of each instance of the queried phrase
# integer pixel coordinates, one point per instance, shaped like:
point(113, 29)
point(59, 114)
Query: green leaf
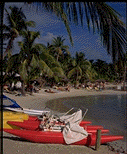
point(23, 70)
point(71, 72)
point(45, 69)
point(30, 23)
point(34, 62)
point(49, 59)
point(58, 71)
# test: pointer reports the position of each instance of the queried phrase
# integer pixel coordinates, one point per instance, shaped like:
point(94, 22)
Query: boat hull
point(34, 125)
point(7, 115)
point(14, 115)
point(27, 111)
point(57, 137)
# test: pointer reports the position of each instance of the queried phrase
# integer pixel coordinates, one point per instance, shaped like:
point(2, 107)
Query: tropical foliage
point(53, 62)
point(58, 48)
point(101, 16)
point(81, 69)
point(16, 23)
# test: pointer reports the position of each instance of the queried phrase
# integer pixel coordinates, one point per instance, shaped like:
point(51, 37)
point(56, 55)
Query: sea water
point(106, 110)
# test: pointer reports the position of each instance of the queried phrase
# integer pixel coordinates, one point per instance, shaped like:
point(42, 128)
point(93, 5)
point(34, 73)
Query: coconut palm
point(99, 14)
point(104, 70)
point(81, 68)
point(28, 45)
point(58, 48)
point(11, 68)
point(55, 67)
point(36, 60)
point(102, 17)
point(16, 23)
point(29, 56)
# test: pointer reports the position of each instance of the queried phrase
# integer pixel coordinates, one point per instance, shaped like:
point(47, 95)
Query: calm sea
point(106, 110)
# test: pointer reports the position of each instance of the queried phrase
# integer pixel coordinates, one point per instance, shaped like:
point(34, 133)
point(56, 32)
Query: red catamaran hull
point(34, 125)
point(57, 137)
point(30, 126)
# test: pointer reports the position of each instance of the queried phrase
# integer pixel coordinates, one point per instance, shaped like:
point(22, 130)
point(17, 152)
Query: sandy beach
point(14, 145)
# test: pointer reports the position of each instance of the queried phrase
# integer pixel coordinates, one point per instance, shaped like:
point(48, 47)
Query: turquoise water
point(106, 110)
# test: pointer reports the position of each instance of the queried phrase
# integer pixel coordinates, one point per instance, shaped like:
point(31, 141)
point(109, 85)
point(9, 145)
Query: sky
point(50, 26)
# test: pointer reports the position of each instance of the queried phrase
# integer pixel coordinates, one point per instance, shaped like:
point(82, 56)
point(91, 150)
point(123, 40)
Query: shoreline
point(38, 101)
point(42, 97)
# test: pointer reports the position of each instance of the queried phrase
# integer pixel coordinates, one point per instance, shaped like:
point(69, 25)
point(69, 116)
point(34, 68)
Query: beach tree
point(102, 16)
point(98, 14)
point(81, 68)
point(11, 69)
point(56, 72)
point(57, 48)
point(104, 70)
point(66, 63)
point(28, 56)
point(16, 23)
point(36, 60)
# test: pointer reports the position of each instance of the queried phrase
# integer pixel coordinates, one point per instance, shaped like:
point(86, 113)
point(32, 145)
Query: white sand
point(38, 100)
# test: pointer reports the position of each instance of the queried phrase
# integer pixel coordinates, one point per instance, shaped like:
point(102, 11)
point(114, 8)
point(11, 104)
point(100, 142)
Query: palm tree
point(81, 68)
point(16, 23)
point(11, 68)
point(35, 59)
point(58, 48)
point(55, 70)
point(102, 16)
point(104, 70)
point(28, 56)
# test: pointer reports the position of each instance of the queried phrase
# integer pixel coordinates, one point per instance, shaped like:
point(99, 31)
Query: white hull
point(27, 111)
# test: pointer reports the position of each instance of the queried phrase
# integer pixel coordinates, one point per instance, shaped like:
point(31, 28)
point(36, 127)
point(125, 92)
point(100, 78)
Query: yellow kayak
point(14, 116)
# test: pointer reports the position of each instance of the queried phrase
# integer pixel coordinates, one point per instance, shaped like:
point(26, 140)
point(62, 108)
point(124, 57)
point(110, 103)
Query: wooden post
point(98, 139)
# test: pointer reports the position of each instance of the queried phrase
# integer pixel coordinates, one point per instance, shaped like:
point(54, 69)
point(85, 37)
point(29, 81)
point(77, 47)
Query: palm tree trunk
point(9, 46)
point(23, 89)
point(77, 79)
point(57, 57)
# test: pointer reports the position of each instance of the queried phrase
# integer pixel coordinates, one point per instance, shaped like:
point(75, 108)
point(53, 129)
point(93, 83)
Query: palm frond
point(34, 62)
point(23, 70)
point(74, 71)
point(11, 21)
point(103, 18)
point(58, 9)
point(109, 22)
point(45, 69)
point(58, 71)
point(20, 43)
point(12, 62)
point(30, 23)
point(49, 59)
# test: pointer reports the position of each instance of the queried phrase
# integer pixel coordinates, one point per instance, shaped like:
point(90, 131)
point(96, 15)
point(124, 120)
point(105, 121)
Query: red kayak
point(34, 125)
point(57, 137)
